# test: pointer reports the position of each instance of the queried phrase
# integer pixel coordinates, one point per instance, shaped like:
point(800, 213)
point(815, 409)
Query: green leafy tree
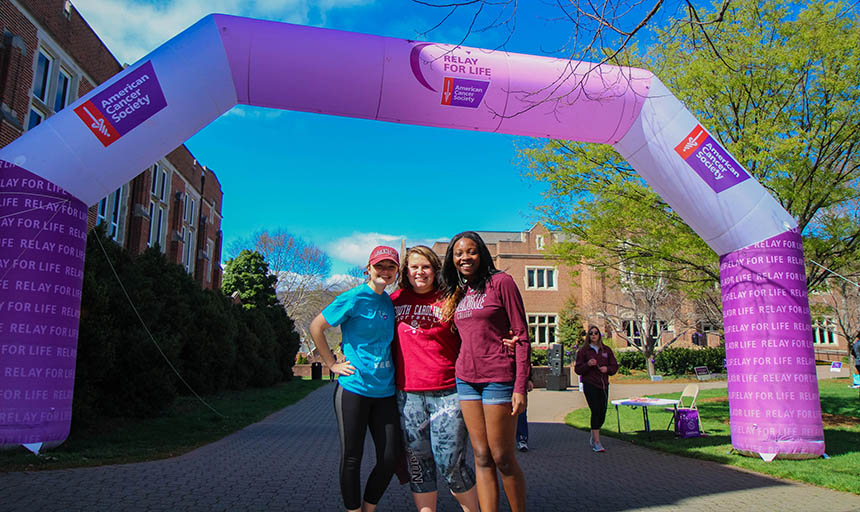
point(777, 83)
point(570, 331)
point(301, 269)
point(248, 273)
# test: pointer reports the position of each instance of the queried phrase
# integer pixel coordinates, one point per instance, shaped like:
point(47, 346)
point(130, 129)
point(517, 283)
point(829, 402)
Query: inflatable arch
point(51, 174)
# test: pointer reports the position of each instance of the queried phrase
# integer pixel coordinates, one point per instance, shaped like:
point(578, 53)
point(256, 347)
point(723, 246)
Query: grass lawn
point(187, 425)
point(841, 414)
point(641, 377)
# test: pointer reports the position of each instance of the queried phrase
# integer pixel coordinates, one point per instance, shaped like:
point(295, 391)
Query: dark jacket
point(592, 374)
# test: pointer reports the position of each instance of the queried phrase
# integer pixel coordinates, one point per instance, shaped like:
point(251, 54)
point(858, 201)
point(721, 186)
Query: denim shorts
point(492, 393)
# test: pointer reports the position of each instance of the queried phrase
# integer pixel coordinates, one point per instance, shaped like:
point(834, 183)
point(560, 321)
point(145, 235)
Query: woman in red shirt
point(425, 350)
point(486, 306)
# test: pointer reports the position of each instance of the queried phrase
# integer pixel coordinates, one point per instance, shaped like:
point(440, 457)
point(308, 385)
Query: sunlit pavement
point(289, 462)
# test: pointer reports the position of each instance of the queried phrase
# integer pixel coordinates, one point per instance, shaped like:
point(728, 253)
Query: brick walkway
point(289, 462)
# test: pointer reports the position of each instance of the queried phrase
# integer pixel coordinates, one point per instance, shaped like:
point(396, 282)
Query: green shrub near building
point(213, 344)
point(675, 361)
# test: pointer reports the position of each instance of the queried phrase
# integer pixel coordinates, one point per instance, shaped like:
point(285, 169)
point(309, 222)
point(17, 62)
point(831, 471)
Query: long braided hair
point(454, 285)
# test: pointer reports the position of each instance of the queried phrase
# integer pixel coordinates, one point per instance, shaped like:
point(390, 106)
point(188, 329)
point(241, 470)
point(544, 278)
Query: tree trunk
point(648, 352)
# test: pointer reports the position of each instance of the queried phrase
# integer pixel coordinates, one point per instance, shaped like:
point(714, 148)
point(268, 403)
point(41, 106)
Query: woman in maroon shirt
point(595, 362)
point(425, 350)
point(486, 306)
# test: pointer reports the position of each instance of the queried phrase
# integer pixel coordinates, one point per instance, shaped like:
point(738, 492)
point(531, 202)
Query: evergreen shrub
point(675, 361)
point(213, 344)
point(539, 357)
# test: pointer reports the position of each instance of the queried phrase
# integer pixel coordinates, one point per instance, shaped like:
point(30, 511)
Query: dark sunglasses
point(593, 332)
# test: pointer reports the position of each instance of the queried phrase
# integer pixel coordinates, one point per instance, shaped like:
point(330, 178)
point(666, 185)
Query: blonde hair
point(450, 303)
point(420, 250)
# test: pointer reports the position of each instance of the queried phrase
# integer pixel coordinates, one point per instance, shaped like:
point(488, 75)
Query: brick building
point(49, 58)
point(546, 286)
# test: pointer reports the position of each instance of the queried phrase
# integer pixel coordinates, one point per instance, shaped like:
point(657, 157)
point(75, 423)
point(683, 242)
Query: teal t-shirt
point(366, 320)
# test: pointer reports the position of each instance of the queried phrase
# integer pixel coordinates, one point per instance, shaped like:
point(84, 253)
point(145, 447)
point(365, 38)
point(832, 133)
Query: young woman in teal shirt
point(364, 395)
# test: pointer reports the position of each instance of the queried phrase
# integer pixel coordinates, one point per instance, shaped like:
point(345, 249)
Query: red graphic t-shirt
point(425, 348)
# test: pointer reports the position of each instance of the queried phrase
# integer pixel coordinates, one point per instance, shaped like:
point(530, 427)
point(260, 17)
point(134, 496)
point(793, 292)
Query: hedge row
point(213, 344)
point(676, 361)
point(539, 357)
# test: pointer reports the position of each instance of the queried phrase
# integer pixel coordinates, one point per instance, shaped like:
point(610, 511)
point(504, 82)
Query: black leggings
point(355, 414)
point(597, 400)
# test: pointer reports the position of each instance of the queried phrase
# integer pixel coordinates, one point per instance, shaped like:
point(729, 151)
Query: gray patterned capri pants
point(434, 436)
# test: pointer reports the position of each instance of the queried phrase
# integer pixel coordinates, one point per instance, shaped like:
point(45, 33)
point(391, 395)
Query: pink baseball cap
point(383, 252)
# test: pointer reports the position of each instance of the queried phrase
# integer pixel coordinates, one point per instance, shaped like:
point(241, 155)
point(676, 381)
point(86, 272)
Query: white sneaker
point(522, 446)
point(597, 447)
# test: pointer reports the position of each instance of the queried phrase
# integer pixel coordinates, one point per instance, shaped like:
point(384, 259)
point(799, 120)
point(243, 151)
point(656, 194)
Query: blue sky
point(349, 184)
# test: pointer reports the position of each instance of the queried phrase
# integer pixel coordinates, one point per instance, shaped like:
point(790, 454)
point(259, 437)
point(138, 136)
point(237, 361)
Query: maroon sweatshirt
point(483, 319)
point(592, 374)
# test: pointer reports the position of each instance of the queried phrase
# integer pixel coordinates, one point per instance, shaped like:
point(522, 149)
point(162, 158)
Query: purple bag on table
point(687, 423)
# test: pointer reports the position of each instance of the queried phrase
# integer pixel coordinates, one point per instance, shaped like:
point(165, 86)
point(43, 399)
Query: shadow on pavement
point(563, 472)
point(289, 462)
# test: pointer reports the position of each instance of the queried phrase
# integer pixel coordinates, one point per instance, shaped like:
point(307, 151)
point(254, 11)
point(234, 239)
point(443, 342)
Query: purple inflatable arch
point(147, 110)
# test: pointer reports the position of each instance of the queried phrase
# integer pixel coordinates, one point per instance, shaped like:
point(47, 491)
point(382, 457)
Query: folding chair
point(691, 391)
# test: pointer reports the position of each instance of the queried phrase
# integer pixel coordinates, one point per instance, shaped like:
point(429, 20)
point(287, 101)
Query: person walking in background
point(364, 392)
point(595, 363)
point(425, 352)
point(485, 305)
point(523, 422)
point(855, 351)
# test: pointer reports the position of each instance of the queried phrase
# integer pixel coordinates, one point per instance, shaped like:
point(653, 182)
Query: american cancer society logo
point(462, 92)
point(710, 161)
point(124, 105)
point(456, 91)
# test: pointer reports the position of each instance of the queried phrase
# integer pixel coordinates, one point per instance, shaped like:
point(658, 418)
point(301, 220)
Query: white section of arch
point(733, 219)
point(193, 72)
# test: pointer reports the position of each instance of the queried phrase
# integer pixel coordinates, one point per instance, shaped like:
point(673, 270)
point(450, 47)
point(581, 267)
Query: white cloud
point(341, 280)
point(133, 28)
point(356, 248)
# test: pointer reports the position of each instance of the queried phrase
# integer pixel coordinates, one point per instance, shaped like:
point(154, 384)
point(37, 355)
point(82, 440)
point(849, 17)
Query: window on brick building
point(189, 228)
point(153, 186)
point(700, 336)
point(188, 252)
point(824, 331)
point(35, 120)
point(541, 278)
point(53, 85)
point(634, 336)
point(159, 227)
point(42, 77)
point(189, 207)
point(539, 243)
point(159, 190)
point(210, 245)
point(542, 328)
point(162, 190)
point(109, 209)
point(149, 238)
point(114, 219)
point(101, 211)
point(64, 83)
